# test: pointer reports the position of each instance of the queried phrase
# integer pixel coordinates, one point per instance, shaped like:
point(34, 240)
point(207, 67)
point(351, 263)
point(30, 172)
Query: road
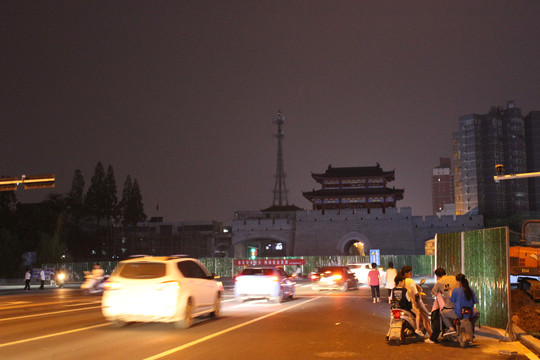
point(66, 324)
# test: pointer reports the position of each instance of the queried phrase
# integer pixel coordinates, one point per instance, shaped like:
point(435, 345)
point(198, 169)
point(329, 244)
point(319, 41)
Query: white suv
point(160, 289)
point(361, 271)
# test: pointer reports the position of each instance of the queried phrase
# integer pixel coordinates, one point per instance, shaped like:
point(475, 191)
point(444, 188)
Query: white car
point(264, 282)
point(361, 271)
point(160, 289)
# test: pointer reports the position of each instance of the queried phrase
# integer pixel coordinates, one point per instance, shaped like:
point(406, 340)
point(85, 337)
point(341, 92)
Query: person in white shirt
point(42, 279)
point(27, 278)
point(390, 276)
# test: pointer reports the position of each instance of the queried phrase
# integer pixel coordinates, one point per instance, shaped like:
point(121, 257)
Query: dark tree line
point(75, 226)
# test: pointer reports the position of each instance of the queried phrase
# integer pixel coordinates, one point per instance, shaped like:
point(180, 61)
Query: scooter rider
point(462, 296)
point(442, 290)
point(419, 309)
point(400, 296)
point(97, 275)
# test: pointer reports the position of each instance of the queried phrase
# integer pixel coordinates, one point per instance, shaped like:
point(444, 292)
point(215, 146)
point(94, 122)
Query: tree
point(131, 206)
point(96, 197)
point(11, 254)
point(75, 198)
point(139, 214)
point(111, 200)
point(8, 207)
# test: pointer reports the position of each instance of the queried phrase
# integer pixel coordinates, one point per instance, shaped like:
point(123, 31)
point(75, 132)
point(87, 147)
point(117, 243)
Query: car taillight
point(313, 277)
point(396, 314)
point(112, 285)
point(337, 277)
point(274, 278)
point(168, 285)
point(220, 286)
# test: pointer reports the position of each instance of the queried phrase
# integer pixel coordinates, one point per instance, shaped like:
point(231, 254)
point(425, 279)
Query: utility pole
point(280, 190)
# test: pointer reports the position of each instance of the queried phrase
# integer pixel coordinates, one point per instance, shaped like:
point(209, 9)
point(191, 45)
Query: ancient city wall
point(318, 233)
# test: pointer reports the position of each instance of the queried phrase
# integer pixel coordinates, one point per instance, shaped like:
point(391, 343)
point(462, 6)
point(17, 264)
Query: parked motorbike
point(464, 328)
point(402, 324)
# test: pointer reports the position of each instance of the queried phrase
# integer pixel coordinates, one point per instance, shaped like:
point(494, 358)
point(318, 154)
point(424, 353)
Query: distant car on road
point(264, 282)
point(160, 289)
point(361, 271)
point(334, 278)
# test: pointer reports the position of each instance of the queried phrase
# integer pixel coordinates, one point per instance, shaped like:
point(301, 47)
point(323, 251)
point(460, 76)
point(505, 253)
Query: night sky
point(181, 94)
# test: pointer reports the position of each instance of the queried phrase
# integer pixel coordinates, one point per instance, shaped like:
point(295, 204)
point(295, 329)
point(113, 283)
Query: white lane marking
point(40, 304)
point(84, 303)
point(208, 337)
point(52, 335)
point(14, 303)
point(49, 313)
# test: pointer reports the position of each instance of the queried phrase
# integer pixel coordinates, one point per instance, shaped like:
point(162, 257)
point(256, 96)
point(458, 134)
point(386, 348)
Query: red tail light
point(168, 285)
point(337, 277)
point(396, 314)
point(112, 285)
point(313, 277)
point(274, 278)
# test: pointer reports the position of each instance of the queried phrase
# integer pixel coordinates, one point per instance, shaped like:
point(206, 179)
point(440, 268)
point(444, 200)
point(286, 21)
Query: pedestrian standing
point(42, 279)
point(27, 278)
point(390, 276)
point(374, 281)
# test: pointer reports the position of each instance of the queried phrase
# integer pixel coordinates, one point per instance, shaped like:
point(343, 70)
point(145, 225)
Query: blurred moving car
point(334, 278)
point(160, 289)
point(361, 271)
point(264, 282)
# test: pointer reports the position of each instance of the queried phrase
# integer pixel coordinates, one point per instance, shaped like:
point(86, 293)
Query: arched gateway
point(354, 243)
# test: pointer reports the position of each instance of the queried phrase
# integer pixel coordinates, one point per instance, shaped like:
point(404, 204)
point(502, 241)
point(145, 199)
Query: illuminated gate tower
point(354, 187)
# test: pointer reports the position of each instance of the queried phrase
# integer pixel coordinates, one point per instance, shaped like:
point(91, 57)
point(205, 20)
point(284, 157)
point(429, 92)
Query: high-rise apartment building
point(442, 186)
point(532, 137)
point(482, 142)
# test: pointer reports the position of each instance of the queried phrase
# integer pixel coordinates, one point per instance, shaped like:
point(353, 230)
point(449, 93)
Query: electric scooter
point(464, 328)
point(402, 323)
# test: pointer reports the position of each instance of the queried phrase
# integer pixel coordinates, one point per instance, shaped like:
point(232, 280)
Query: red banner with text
point(246, 262)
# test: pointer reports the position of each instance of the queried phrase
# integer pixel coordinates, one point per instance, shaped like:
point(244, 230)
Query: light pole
point(29, 181)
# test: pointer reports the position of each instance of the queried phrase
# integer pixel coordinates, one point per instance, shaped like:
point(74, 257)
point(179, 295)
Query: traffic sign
point(375, 256)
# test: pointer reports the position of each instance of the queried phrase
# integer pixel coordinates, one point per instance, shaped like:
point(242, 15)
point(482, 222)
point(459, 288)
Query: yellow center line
point(52, 335)
point(39, 304)
point(49, 313)
point(198, 341)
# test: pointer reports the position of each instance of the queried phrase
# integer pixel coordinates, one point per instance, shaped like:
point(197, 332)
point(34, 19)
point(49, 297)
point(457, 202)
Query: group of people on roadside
point(28, 278)
point(451, 294)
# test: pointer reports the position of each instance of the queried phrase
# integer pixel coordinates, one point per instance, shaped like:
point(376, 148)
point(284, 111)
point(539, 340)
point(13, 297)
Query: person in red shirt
point(374, 281)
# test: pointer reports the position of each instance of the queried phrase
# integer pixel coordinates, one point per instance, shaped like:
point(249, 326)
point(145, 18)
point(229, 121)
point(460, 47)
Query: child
point(374, 281)
point(400, 297)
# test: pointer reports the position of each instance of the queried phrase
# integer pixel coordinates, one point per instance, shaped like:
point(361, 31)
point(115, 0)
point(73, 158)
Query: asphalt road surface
point(66, 324)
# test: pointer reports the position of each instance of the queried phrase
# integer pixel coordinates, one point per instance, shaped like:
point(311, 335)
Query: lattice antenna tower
point(280, 190)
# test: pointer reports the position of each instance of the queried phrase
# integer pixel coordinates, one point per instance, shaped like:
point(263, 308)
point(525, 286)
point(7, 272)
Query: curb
point(528, 340)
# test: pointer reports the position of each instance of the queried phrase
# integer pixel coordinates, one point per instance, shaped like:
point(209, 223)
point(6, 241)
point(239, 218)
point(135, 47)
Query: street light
point(499, 169)
point(29, 181)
